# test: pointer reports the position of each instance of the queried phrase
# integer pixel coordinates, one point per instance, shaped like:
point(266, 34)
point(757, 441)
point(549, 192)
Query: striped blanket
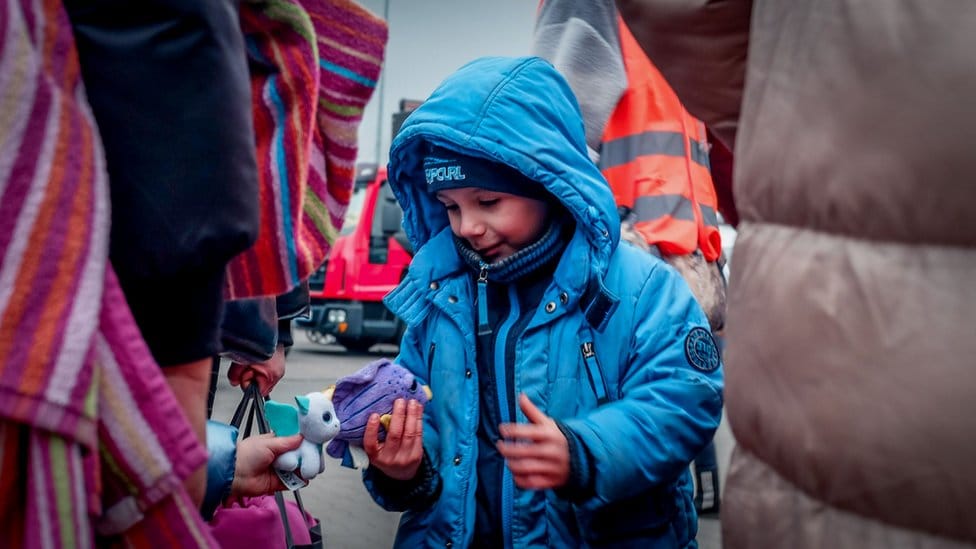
point(314, 65)
point(93, 444)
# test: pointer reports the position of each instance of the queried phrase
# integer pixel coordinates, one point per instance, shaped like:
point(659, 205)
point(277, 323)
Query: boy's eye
point(488, 203)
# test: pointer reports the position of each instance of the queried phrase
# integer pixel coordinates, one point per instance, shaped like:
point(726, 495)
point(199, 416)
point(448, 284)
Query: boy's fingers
point(532, 413)
point(371, 435)
point(514, 450)
point(413, 426)
point(523, 431)
point(533, 482)
point(529, 466)
point(394, 433)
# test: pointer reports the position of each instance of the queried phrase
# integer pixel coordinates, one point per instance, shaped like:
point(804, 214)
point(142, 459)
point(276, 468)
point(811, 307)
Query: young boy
point(573, 380)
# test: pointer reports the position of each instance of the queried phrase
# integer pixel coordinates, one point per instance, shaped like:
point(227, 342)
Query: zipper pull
point(587, 349)
point(483, 327)
point(595, 373)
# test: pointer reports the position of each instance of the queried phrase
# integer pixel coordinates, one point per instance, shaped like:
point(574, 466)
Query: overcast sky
point(429, 39)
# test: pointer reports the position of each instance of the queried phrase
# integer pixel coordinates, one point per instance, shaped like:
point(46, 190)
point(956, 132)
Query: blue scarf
point(522, 262)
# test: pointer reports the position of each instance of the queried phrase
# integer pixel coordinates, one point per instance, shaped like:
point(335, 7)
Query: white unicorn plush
point(315, 419)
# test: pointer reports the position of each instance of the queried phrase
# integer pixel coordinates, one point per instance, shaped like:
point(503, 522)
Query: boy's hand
point(537, 453)
point(400, 455)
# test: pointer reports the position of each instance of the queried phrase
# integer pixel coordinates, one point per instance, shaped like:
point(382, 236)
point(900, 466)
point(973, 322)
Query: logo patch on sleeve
point(700, 349)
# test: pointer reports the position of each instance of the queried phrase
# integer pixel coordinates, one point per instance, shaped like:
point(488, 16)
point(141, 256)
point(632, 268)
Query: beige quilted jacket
point(851, 357)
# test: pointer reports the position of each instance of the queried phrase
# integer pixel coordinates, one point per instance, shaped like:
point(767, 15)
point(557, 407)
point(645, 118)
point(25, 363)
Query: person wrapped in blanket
point(125, 203)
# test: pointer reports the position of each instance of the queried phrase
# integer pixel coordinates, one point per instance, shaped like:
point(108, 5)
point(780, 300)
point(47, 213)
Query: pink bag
point(257, 523)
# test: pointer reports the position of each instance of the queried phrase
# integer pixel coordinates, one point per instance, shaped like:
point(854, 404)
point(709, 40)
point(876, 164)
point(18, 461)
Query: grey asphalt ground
point(350, 518)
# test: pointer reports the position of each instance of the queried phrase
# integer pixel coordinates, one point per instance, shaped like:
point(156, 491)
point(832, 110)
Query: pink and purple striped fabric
point(94, 445)
point(314, 65)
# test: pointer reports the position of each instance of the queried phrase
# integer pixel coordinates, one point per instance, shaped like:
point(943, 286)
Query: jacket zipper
point(594, 371)
point(430, 361)
point(504, 397)
point(483, 327)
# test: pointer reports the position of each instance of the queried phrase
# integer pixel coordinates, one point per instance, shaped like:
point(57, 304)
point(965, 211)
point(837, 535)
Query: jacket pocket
point(644, 518)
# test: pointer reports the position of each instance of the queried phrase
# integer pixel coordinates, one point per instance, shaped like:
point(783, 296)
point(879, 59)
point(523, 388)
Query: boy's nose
point(471, 226)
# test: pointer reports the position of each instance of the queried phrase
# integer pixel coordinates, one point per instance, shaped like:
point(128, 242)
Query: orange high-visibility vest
point(655, 156)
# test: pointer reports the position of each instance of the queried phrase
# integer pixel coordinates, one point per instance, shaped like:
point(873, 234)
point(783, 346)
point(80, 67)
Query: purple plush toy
point(371, 389)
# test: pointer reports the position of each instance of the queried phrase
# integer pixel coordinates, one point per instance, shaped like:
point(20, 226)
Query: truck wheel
point(356, 345)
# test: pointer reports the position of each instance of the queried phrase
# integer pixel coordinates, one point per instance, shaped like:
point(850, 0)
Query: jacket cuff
point(222, 447)
point(295, 303)
point(284, 334)
point(580, 486)
point(415, 494)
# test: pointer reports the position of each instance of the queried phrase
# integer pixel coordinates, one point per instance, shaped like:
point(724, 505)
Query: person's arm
point(700, 46)
point(190, 384)
point(671, 400)
point(238, 468)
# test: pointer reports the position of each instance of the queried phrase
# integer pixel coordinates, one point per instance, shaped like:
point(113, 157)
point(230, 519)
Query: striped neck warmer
point(522, 262)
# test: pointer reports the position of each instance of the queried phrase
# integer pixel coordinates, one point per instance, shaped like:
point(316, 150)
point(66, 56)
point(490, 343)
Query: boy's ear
point(302, 404)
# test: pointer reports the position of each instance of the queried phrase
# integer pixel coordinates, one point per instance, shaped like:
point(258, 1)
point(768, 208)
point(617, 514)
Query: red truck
point(367, 260)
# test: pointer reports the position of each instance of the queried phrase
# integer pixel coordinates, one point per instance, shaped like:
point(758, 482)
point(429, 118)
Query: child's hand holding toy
point(382, 402)
point(374, 390)
point(400, 454)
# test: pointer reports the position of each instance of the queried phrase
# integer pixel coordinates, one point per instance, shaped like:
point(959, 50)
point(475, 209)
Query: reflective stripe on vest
point(655, 156)
point(622, 150)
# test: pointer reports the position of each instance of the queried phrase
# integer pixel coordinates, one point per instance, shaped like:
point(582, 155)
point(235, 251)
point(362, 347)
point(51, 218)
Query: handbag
point(264, 521)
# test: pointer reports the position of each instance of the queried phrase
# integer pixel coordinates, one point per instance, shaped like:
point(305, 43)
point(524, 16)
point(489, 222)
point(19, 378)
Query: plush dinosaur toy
point(371, 389)
point(316, 420)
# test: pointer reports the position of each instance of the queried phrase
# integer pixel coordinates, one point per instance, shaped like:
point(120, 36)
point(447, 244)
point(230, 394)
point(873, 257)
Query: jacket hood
point(517, 111)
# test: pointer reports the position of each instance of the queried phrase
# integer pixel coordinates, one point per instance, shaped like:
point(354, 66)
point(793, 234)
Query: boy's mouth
point(490, 253)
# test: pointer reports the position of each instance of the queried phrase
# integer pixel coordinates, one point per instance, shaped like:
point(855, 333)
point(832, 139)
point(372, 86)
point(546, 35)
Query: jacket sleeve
point(221, 463)
point(424, 489)
point(700, 47)
point(168, 84)
point(252, 328)
point(415, 494)
point(670, 395)
point(249, 330)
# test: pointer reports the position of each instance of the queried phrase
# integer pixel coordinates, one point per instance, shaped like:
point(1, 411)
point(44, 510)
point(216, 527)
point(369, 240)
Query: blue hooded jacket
point(618, 350)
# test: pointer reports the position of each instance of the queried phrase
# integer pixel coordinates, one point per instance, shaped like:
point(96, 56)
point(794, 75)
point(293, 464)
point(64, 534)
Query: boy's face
point(495, 224)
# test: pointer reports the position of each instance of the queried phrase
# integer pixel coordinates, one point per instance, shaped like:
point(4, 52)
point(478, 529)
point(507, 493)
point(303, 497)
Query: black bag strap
point(214, 376)
point(252, 405)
